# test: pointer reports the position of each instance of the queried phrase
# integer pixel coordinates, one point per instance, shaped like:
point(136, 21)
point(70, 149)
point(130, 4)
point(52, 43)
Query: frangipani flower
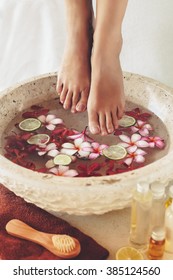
point(155, 141)
point(131, 144)
point(62, 170)
point(83, 135)
point(50, 121)
point(50, 150)
point(142, 128)
point(78, 147)
point(137, 156)
point(97, 150)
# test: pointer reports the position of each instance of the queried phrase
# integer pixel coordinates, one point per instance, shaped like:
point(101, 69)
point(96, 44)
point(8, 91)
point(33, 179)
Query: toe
point(68, 100)
point(59, 86)
point(109, 123)
point(102, 121)
point(75, 101)
point(120, 112)
point(93, 123)
point(115, 119)
point(82, 104)
point(63, 94)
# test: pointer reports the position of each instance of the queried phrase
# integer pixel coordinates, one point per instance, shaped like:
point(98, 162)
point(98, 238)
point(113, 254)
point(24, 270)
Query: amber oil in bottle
point(170, 197)
point(156, 244)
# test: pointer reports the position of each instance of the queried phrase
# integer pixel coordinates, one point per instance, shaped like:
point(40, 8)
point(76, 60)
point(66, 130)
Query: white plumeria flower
point(131, 144)
point(142, 128)
point(137, 156)
point(62, 170)
point(78, 147)
point(50, 121)
point(50, 150)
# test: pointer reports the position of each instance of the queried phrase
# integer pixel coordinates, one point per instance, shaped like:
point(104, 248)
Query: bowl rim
point(8, 168)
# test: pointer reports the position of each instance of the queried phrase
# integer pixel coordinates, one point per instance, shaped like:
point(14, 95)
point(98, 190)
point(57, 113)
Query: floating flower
point(155, 141)
point(83, 135)
point(89, 170)
point(142, 128)
point(133, 143)
point(97, 150)
point(50, 150)
point(136, 156)
point(63, 171)
point(50, 121)
point(78, 147)
point(135, 113)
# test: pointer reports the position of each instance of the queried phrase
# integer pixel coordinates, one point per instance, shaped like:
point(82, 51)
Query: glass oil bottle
point(140, 215)
point(156, 243)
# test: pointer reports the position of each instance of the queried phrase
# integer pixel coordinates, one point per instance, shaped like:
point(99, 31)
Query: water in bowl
point(91, 167)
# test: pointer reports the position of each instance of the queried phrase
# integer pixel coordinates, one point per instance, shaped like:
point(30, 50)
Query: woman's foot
point(106, 99)
point(73, 82)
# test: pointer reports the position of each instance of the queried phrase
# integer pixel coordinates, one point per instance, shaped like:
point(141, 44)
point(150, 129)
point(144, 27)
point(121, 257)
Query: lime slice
point(39, 139)
point(115, 152)
point(62, 160)
point(29, 124)
point(126, 121)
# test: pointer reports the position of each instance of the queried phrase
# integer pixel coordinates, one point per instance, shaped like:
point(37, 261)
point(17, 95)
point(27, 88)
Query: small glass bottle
point(158, 205)
point(140, 215)
point(156, 244)
point(169, 228)
point(170, 197)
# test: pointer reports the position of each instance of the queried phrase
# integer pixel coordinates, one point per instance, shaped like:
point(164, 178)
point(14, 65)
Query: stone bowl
point(91, 195)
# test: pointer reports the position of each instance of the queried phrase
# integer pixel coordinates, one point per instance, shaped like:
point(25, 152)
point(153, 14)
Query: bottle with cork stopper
point(156, 243)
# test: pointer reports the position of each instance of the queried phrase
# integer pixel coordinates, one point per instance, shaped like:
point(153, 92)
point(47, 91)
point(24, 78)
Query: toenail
point(95, 130)
point(80, 107)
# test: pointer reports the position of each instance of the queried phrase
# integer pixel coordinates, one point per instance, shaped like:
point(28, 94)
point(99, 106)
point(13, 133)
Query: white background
point(32, 38)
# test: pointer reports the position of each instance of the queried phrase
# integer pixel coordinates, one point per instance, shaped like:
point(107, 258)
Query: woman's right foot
point(73, 82)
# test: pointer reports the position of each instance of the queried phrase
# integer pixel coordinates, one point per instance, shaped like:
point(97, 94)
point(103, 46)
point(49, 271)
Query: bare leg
point(106, 99)
point(74, 76)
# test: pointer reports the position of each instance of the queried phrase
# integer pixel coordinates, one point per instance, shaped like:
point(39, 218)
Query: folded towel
point(13, 248)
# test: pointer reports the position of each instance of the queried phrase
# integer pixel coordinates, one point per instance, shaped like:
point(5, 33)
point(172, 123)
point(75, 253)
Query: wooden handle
point(20, 229)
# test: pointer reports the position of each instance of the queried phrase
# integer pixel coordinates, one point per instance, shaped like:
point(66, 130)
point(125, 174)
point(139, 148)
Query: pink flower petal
point(135, 137)
point(134, 129)
point(102, 147)
point(151, 144)
point(54, 170)
point(144, 132)
point(128, 161)
point(76, 136)
point(124, 138)
point(51, 146)
point(50, 126)
point(139, 158)
point(131, 149)
point(62, 169)
point(125, 145)
point(70, 173)
point(140, 123)
point(42, 118)
point(160, 144)
point(41, 153)
point(53, 153)
point(50, 117)
point(57, 121)
point(148, 126)
point(87, 149)
point(69, 152)
point(93, 156)
point(83, 154)
point(95, 145)
point(68, 145)
point(78, 142)
point(142, 144)
point(140, 152)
